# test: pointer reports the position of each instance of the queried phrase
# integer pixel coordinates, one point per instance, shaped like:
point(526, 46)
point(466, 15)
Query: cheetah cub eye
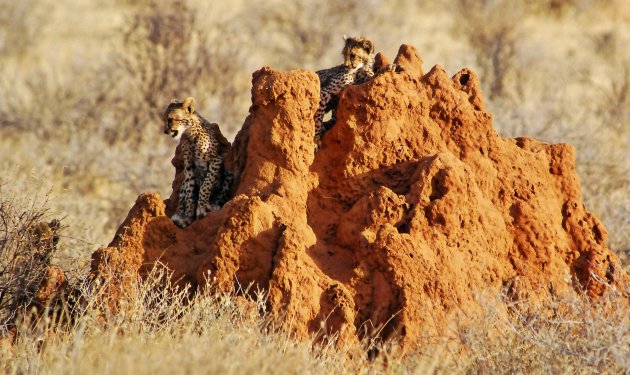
point(173, 127)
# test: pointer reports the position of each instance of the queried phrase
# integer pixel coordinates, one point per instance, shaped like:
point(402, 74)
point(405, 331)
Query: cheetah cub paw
point(203, 211)
point(181, 221)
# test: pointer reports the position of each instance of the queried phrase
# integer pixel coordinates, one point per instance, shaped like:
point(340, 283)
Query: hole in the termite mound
point(439, 219)
point(515, 212)
point(599, 236)
point(610, 273)
point(438, 190)
point(520, 142)
point(403, 227)
point(464, 78)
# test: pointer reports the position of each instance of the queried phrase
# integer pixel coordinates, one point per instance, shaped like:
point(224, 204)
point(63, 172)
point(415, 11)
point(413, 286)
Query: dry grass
point(571, 335)
point(27, 245)
point(83, 84)
point(162, 329)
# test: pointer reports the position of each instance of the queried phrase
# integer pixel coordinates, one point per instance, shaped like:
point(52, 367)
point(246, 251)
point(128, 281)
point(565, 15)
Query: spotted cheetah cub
point(358, 67)
point(206, 185)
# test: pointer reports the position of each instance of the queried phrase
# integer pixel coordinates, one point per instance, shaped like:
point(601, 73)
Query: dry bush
point(170, 54)
point(602, 132)
point(63, 131)
point(53, 106)
point(27, 246)
point(570, 335)
point(294, 38)
point(562, 8)
point(33, 101)
point(493, 29)
point(529, 81)
point(608, 164)
point(21, 23)
point(519, 77)
point(614, 105)
point(163, 328)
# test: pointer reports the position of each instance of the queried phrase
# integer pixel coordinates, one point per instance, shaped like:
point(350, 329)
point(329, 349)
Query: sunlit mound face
point(357, 52)
point(174, 120)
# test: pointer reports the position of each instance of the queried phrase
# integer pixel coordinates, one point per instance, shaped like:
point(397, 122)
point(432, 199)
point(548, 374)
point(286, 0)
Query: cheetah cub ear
point(368, 46)
point(189, 105)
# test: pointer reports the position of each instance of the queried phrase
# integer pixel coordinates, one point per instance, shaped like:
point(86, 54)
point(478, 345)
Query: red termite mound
point(412, 206)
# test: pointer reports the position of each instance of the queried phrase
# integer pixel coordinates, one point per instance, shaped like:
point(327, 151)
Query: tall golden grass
point(163, 329)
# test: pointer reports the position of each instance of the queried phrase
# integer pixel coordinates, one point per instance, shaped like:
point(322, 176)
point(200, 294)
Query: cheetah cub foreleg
point(209, 188)
point(185, 214)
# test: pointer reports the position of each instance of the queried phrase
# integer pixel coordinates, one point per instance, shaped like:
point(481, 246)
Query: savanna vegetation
point(83, 84)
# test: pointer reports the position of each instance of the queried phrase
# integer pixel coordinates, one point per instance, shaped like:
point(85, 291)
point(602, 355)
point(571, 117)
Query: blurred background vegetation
point(83, 82)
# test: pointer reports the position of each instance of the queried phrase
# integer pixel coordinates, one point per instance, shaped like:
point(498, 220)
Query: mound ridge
point(412, 206)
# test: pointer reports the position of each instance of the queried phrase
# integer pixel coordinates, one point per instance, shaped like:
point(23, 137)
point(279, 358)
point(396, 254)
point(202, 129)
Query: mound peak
point(412, 206)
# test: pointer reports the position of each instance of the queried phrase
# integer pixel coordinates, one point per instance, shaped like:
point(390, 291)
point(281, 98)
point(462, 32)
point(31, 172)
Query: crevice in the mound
point(254, 265)
point(404, 224)
point(433, 216)
point(336, 308)
point(378, 309)
point(404, 227)
point(274, 249)
point(438, 185)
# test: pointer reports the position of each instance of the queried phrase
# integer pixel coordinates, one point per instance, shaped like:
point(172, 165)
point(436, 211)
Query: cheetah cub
point(358, 67)
point(206, 185)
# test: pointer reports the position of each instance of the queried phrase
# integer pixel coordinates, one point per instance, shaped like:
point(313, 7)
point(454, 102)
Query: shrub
point(168, 54)
point(162, 324)
point(21, 23)
point(493, 30)
point(27, 245)
point(570, 335)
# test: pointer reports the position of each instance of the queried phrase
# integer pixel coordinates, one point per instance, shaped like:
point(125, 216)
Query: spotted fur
point(206, 185)
point(358, 67)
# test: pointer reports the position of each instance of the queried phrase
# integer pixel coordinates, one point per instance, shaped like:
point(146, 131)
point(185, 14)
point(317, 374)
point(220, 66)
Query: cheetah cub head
point(357, 52)
point(178, 116)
